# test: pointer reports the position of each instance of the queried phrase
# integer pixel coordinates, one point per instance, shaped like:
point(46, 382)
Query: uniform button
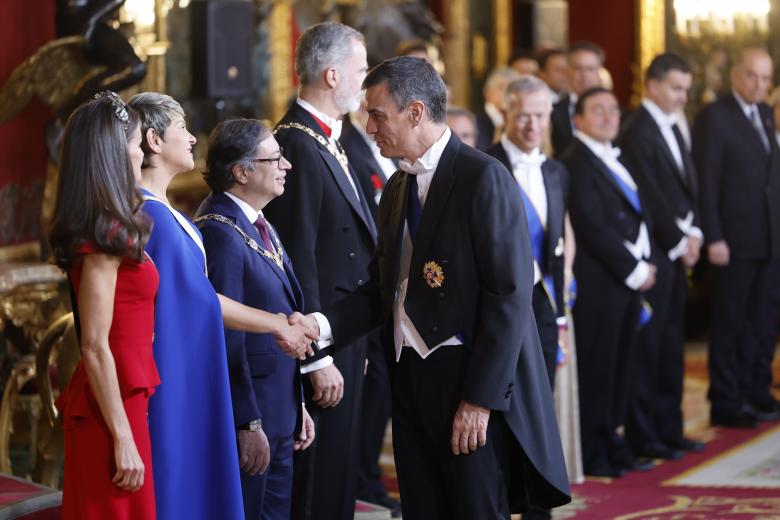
point(445, 262)
point(434, 329)
point(346, 228)
point(441, 295)
point(361, 282)
point(351, 255)
point(506, 395)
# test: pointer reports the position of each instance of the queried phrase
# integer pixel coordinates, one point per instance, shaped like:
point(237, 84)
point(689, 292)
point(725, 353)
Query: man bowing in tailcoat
point(474, 428)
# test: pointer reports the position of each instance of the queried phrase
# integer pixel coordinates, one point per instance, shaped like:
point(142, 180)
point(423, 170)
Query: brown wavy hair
point(98, 201)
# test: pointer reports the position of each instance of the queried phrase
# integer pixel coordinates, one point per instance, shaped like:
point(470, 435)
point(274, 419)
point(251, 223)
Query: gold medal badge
point(433, 274)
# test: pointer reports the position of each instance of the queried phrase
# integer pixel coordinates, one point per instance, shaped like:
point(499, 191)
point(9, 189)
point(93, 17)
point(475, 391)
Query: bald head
point(751, 75)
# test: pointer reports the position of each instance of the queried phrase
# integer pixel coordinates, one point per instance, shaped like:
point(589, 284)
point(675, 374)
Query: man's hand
point(254, 452)
point(691, 255)
point(719, 253)
point(308, 322)
point(292, 339)
point(650, 282)
point(306, 435)
point(328, 385)
point(469, 428)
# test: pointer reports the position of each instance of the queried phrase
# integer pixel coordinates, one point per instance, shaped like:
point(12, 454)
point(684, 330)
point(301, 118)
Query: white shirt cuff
point(326, 335)
point(562, 321)
point(678, 250)
point(696, 233)
point(638, 276)
point(317, 365)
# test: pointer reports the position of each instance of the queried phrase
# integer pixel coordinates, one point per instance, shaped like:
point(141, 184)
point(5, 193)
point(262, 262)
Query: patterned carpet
point(736, 477)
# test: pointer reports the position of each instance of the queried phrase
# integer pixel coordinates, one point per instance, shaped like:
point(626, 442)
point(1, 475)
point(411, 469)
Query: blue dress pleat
point(194, 453)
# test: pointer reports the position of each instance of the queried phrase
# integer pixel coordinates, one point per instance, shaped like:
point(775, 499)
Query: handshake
point(295, 334)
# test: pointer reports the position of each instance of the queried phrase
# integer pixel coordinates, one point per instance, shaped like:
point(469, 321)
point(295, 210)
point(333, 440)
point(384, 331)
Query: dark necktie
point(262, 227)
point(413, 207)
point(683, 146)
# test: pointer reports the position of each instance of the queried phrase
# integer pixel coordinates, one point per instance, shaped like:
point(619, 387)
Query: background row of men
point(638, 217)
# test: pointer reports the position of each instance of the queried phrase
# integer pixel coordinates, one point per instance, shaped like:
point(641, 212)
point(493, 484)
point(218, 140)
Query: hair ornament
point(119, 106)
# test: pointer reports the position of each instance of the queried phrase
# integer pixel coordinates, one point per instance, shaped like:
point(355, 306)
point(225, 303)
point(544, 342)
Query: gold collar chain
point(340, 156)
point(277, 256)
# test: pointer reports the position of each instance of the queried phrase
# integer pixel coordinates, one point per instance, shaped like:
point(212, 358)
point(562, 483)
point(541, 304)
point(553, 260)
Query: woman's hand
point(129, 466)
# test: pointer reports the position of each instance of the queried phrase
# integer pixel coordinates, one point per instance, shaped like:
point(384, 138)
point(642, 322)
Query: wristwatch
point(254, 425)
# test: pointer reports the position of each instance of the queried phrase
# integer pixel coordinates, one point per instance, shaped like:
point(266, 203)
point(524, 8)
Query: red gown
point(88, 492)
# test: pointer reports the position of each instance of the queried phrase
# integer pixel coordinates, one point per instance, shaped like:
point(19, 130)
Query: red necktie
point(262, 227)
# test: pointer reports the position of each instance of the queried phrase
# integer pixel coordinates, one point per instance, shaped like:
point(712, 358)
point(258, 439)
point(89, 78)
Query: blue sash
point(630, 193)
point(537, 235)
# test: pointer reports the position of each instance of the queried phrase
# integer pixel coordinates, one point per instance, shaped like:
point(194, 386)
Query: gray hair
point(411, 79)
point(525, 85)
point(322, 46)
point(501, 73)
point(157, 112)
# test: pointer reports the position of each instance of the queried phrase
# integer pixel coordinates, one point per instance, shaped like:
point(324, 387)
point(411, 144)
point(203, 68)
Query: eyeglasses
point(273, 160)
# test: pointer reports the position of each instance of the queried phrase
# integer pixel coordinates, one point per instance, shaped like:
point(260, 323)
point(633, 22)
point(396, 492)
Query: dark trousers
point(739, 309)
point(377, 407)
point(655, 413)
point(548, 330)
point(605, 318)
point(434, 483)
point(325, 474)
point(760, 393)
point(269, 496)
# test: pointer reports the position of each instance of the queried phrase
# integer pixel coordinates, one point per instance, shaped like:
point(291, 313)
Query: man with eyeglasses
point(245, 169)
point(325, 222)
point(613, 267)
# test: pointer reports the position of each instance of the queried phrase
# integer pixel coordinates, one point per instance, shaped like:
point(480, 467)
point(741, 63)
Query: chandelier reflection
point(720, 18)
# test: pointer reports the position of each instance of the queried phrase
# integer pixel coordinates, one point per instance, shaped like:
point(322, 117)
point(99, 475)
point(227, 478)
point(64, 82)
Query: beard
point(347, 101)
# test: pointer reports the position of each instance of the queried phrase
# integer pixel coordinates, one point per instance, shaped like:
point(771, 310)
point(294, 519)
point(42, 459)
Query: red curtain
point(25, 25)
point(612, 25)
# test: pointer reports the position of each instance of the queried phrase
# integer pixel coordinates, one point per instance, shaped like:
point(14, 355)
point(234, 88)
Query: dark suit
point(376, 388)
point(470, 210)
point(561, 130)
point(556, 186)
point(265, 383)
point(606, 312)
point(669, 193)
point(740, 203)
point(329, 233)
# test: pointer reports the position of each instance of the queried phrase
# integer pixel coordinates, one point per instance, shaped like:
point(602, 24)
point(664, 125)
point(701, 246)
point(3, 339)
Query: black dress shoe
point(604, 470)
point(743, 419)
point(639, 464)
point(686, 444)
point(766, 411)
point(659, 450)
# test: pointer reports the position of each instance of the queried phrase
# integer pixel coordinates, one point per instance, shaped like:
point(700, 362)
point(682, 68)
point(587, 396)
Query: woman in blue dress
point(196, 470)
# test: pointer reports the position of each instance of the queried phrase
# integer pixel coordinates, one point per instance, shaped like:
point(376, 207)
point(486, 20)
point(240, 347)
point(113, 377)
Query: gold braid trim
point(340, 156)
point(277, 256)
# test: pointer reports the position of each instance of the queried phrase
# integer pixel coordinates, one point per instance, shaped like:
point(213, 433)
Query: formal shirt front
point(405, 333)
point(640, 249)
point(666, 123)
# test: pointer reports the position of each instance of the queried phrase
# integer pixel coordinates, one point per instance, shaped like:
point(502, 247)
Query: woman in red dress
point(98, 236)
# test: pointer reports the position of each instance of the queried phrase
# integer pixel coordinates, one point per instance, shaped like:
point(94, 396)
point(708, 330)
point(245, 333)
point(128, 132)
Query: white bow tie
point(535, 158)
point(610, 152)
point(414, 168)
